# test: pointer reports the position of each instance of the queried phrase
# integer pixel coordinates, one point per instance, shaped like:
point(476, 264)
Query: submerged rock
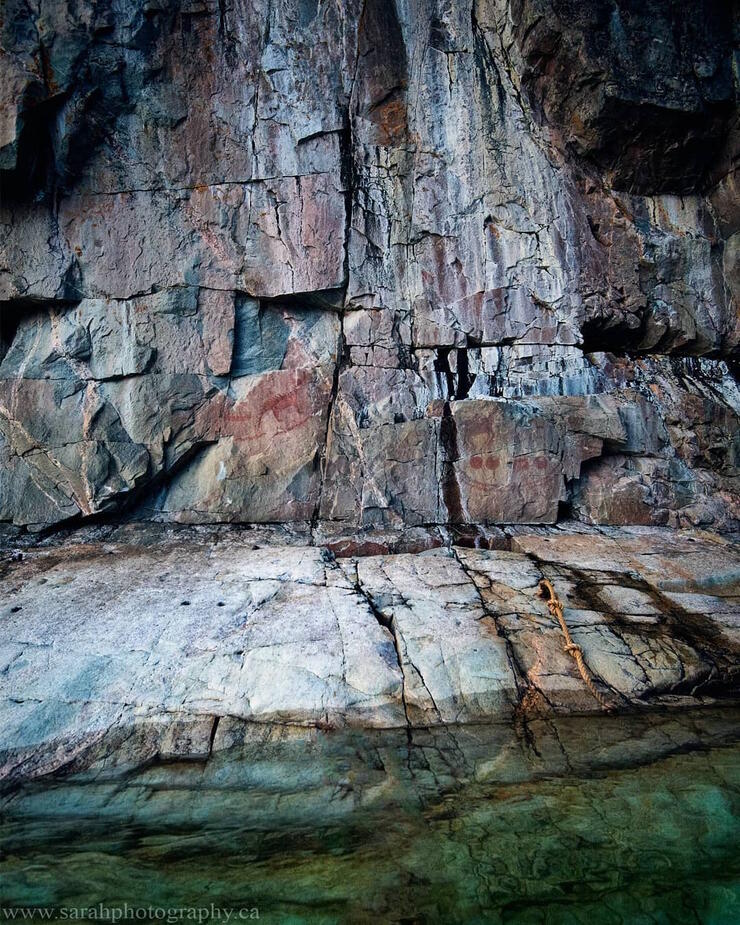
point(456, 824)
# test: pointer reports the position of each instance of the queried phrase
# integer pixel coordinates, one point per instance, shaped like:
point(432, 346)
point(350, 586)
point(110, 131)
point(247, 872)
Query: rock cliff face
point(370, 264)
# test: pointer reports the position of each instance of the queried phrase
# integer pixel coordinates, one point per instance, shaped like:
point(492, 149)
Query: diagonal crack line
point(525, 686)
point(390, 624)
point(521, 678)
point(406, 665)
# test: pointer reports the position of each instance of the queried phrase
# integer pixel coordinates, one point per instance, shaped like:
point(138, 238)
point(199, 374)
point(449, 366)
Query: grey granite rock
point(125, 644)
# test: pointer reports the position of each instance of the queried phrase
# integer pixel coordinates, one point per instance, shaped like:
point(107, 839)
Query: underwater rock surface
point(627, 820)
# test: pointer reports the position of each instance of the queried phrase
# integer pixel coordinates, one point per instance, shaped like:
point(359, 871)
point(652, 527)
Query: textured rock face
point(645, 90)
point(237, 631)
point(376, 265)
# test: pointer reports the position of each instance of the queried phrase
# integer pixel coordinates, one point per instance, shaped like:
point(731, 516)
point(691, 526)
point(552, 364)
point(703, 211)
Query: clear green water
point(335, 828)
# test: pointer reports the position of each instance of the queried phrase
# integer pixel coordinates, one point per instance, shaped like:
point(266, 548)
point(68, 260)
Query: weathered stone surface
point(642, 91)
point(267, 468)
point(387, 266)
point(213, 648)
point(382, 452)
point(454, 663)
point(179, 630)
point(508, 465)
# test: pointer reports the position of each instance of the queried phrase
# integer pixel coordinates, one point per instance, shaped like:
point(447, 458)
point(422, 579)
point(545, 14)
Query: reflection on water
point(597, 820)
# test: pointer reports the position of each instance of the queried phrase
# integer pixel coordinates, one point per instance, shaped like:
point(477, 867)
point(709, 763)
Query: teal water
point(630, 826)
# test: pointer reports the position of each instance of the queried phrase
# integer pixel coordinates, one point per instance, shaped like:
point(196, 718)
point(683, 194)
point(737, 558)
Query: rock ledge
point(118, 648)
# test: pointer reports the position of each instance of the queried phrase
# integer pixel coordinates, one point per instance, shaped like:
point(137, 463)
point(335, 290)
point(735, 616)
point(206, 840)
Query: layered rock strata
point(371, 265)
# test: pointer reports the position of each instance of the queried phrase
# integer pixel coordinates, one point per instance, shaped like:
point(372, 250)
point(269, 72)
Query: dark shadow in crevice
point(450, 455)
point(10, 319)
point(13, 313)
point(465, 378)
point(327, 299)
point(456, 384)
point(443, 371)
point(137, 505)
point(34, 174)
point(599, 336)
point(565, 510)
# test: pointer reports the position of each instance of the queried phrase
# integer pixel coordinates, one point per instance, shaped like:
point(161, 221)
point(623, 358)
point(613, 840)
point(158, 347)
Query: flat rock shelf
point(126, 645)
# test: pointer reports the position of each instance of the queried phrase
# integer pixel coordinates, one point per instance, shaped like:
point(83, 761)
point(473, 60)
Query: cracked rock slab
point(103, 633)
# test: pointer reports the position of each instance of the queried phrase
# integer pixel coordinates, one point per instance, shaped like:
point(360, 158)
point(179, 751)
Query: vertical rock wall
point(370, 263)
